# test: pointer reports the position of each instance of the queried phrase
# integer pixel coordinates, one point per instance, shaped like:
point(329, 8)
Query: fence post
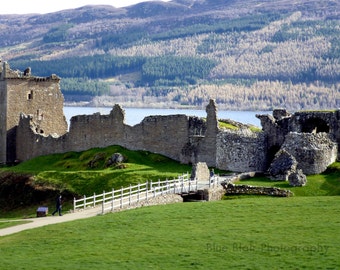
point(84, 201)
point(94, 199)
point(121, 197)
point(130, 196)
point(159, 186)
point(151, 187)
point(74, 204)
point(113, 199)
point(138, 191)
point(147, 189)
point(103, 204)
point(182, 184)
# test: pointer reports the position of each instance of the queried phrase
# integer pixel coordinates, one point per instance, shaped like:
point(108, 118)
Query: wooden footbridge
point(127, 197)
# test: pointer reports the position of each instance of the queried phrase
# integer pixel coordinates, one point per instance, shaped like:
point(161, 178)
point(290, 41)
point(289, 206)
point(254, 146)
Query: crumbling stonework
point(313, 152)
point(200, 171)
point(312, 138)
point(241, 150)
point(283, 165)
point(32, 124)
point(297, 179)
point(231, 189)
point(39, 97)
point(300, 122)
point(238, 151)
point(212, 194)
point(206, 147)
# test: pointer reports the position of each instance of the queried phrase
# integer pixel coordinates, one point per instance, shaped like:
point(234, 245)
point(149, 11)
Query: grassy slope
point(71, 171)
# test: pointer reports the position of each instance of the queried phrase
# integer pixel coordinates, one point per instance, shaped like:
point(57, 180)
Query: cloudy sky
point(47, 6)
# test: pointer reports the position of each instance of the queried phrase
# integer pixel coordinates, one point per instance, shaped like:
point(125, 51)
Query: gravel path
point(43, 221)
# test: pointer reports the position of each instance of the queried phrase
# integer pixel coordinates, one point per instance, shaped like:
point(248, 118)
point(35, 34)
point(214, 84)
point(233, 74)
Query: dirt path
point(43, 221)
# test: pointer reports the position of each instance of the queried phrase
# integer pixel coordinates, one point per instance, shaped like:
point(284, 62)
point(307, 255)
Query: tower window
point(40, 115)
point(30, 95)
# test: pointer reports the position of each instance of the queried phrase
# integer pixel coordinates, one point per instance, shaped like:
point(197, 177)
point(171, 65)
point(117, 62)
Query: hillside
point(246, 54)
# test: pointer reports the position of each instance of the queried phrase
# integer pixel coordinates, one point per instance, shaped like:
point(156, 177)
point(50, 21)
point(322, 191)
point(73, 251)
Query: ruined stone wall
point(241, 150)
point(313, 152)
point(159, 134)
point(282, 123)
point(31, 144)
point(200, 172)
point(276, 128)
point(316, 122)
point(231, 189)
point(40, 98)
point(206, 147)
point(176, 136)
point(165, 135)
point(3, 117)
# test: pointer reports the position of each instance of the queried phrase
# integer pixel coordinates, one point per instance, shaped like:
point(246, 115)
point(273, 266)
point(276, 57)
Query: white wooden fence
point(117, 199)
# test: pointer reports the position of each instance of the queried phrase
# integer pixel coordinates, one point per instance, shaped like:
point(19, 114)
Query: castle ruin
point(311, 137)
point(39, 97)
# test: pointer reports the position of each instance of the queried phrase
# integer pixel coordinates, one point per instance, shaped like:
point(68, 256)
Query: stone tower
point(40, 97)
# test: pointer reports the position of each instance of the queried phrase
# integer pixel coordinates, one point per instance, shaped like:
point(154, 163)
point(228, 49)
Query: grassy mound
point(87, 172)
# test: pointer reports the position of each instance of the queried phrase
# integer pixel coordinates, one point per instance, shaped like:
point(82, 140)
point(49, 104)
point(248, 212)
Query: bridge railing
point(216, 181)
point(176, 186)
point(127, 196)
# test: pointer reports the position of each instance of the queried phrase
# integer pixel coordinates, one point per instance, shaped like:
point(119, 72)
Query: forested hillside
point(246, 54)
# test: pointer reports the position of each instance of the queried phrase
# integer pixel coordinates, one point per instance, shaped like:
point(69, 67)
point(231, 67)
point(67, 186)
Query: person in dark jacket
point(57, 206)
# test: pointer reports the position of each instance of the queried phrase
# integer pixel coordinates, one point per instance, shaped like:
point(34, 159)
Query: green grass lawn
point(241, 232)
point(326, 184)
point(248, 233)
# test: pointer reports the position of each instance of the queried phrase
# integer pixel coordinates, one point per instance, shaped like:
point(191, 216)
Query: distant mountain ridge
point(232, 43)
point(93, 20)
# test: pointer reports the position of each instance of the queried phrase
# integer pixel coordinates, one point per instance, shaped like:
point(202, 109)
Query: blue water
point(134, 116)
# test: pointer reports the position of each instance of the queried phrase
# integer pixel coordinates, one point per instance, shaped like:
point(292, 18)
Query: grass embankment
point(72, 172)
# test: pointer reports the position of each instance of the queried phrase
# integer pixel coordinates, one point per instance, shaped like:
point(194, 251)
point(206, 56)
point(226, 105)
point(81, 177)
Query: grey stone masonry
point(32, 123)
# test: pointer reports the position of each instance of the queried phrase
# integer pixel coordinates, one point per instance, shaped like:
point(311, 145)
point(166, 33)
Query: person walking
point(57, 206)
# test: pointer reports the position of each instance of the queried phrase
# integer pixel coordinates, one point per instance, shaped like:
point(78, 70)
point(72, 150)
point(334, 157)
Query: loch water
point(134, 116)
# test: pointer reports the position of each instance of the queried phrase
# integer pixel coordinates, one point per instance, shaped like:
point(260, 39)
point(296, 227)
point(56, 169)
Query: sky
point(47, 6)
